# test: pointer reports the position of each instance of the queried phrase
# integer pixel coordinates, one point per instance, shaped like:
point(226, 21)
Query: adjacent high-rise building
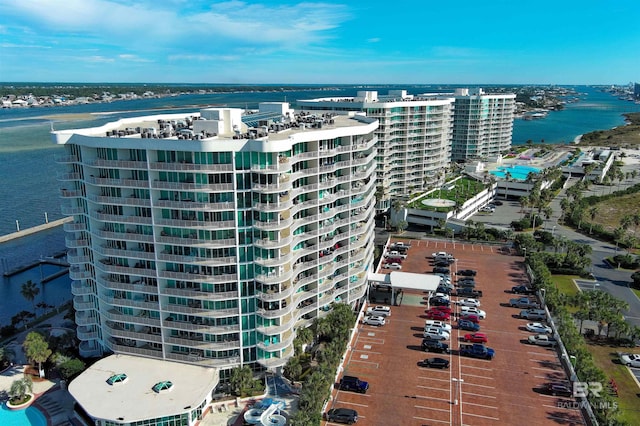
point(414, 138)
point(209, 238)
point(482, 124)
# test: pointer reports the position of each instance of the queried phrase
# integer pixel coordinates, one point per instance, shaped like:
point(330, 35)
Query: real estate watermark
point(584, 390)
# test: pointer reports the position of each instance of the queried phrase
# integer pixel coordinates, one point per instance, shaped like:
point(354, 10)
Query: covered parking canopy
point(406, 281)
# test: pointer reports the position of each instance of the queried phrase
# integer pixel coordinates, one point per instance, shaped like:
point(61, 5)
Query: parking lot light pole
point(553, 231)
point(457, 388)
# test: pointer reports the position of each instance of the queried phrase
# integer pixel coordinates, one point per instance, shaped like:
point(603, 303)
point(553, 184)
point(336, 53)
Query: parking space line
point(481, 405)
point(480, 386)
point(430, 420)
point(367, 351)
point(432, 388)
point(353, 403)
point(475, 375)
point(478, 415)
point(478, 368)
point(478, 394)
point(353, 361)
point(431, 408)
point(433, 378)
point(549, 354)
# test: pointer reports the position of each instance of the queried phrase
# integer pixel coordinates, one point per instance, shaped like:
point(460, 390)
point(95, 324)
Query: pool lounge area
point(516, 171)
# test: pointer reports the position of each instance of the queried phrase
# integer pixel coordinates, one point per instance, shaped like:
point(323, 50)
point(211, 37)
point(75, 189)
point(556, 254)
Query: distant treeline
point(70, 90)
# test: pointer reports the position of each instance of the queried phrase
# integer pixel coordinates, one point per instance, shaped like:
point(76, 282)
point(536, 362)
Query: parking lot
point(505, 390)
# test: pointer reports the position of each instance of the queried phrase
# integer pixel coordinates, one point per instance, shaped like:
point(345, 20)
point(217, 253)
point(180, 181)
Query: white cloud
point(98, 59)
point(374, 40)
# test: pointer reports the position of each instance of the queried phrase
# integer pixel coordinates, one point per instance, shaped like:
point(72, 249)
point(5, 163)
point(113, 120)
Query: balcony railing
point(271, 347)
point(117, 316)
point(194, 205)
point(139, 220)
point(191, 186)
point(275, 362)
point(203, 312)
point(206, 362)
point(125, 201)
point(191, 167)
point(181, 241)
point(124, 236)
point(200, 295)
point(196, 224)
point(119, 183)
point(276, 295)
point(195, 277)
point(79, 288)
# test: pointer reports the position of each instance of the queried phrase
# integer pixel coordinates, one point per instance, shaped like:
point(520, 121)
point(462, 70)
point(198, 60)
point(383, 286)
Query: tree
point(71, 368)
point(36, 350)
point(593, 212)
point(240, 380)
point(29, 291)
point(22, 317)
point(20, 389)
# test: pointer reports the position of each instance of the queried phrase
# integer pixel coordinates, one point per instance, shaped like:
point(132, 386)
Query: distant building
point(482, 124)
point(636, 90)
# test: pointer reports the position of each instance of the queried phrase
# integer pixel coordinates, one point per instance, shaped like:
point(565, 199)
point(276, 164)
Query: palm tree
point(36, 349)
point(20, 389)
point(29, 291)
point(507, 178)
point(593, 212)
point(241, 379)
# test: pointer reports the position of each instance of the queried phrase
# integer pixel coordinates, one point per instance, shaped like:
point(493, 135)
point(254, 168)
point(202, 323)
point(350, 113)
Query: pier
point(35, 229)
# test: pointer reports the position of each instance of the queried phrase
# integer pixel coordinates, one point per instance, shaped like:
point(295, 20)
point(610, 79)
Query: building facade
point(414, 138)
point(482, 124)
point(199, 239)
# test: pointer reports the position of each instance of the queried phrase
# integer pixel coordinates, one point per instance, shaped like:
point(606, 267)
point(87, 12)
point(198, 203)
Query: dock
point(35, 229)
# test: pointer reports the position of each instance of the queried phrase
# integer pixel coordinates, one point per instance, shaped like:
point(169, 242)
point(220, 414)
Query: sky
point(320, 42)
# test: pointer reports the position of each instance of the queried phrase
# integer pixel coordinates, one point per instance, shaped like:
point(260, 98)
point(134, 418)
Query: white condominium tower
point(482, 124)
point(414, 138)
point(211, 238)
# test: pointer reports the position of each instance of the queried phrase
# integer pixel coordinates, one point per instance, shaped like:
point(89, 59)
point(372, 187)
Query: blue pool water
point(517, 171)
point(28, 417)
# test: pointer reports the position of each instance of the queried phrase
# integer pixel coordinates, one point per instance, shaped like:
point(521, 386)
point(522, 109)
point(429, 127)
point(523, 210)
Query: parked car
point(487, 209)
point(395, 266)
point(395, 253)
point(475, 338)
point(444, 289)
point(533, 314)
point(435, 363)
point(522, 289)
point(524, 303)
point(374, 320)
point(558, 389)
point(466, 273)
point(441, 270)
point(442, 263)
point(433, 323)
point(431, 345)
point(442, 254)
point(353, 384)
point(468, 292)
point(542, 340)
point(469, 302)
point(441, 308)
point(470, 317)
point(441, 295)
point(436, 334)
point(438, 315)
point(402, 245)
point(467, 325)
point(538, 327)
point(476, 350)
point(497, 202)
point(473, 310)
point(439, 301)
point(382, 311)
point(466, 283)
point(630, 360)
point(394, 260)
point(342, 415)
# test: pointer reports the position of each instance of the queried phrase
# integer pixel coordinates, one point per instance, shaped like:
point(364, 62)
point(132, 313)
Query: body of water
point(28, 171)
point(30, 416)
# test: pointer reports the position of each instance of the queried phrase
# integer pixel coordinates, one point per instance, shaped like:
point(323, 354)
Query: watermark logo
point(584, 389)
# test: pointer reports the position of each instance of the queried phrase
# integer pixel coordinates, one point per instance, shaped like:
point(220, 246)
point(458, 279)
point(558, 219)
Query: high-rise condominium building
point(414, 138)
point(482, 124)
point(199, 239)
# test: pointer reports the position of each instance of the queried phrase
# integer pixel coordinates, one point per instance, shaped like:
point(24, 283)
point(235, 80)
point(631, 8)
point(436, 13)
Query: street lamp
point(543, 293)
point(524, 249)
point(457, 388)
point(553, 231)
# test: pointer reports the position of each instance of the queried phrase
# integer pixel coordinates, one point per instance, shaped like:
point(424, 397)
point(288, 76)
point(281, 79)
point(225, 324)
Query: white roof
point(134, 399)
point(407, 280)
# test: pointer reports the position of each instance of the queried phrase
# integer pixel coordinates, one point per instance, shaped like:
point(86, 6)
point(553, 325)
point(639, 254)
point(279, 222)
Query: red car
point(475, 338)
point(441, 309)
point(471, 317)
point(438, 315)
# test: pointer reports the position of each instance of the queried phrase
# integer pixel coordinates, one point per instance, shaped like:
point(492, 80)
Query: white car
point(374, 320)
point(441, 295)
point(436, 334)
point(439, 324)
point(395, 266)
point(469, 302)
point(630, 360)
point(473, 310)
point(442, 255)
point(380, 311)
point(538, 327)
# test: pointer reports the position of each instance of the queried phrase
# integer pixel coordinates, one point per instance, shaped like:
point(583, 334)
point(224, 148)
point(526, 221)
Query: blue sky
point(350, 42)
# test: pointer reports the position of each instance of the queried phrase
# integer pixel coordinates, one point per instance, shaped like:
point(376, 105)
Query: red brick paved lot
point(503, 391)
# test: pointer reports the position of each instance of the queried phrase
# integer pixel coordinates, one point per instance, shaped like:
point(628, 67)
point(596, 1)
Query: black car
point(441, 270)
point(522, 289)
point(353, 384)
point(466, 283)
point(467, 273)
point(558, 389)
point(497, 203)
point(342, 415)
point(441, 263)
point(439, 301)
point(430, 345)
point(443, 289)
point(468, 292)
point(436, 363)
point(468, 325)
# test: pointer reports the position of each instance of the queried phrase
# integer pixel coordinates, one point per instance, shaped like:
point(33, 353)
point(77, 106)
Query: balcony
point(139, 303)
point(184, 166)
point(79, 274)
point(275, 362)
point(276, 329)
point(117, 164)
point(275, 312)
point(191, 186)
point(86, 318)
point(209, 261)
point(197, 294)
point(89, 349)
point(134, 350)
point(274, 278)
point(70, 211)
point(271, 295)
point(199, 327)
point(283, 165)
point(74, 226)
point(123, 201)
point(117, 331)
point(202, 312)
point(65, 159)
point(275, 261)
point(124, 236)
point(75, 259)
point(196, 224)
point(195, 242)
point(137, 220)
point(273, 244)
point(142, 318)
point(86, 333)
point(271, 347)
point(67, 193)
point(273, 225)
point(200, 278)
point(79, 288)
point(130, 254)
point(194, 205)
point(126, 270)
point(65, 177)
point(72, 243)
point(137, 286)
point(118, 183)
point(82, 305)
point(203, 344)
point(222, 363)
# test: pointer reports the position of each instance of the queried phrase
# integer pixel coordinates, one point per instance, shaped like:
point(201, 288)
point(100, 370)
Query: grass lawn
point(610, 212)
point(628, 400)
point(565, 284)
point(636, 291)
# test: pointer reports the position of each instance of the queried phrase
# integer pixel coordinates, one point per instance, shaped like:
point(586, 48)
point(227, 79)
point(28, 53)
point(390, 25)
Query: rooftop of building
point(125, 388)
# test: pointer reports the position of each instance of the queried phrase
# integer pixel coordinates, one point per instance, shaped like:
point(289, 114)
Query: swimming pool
point(30, 416)
point(517, 171)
